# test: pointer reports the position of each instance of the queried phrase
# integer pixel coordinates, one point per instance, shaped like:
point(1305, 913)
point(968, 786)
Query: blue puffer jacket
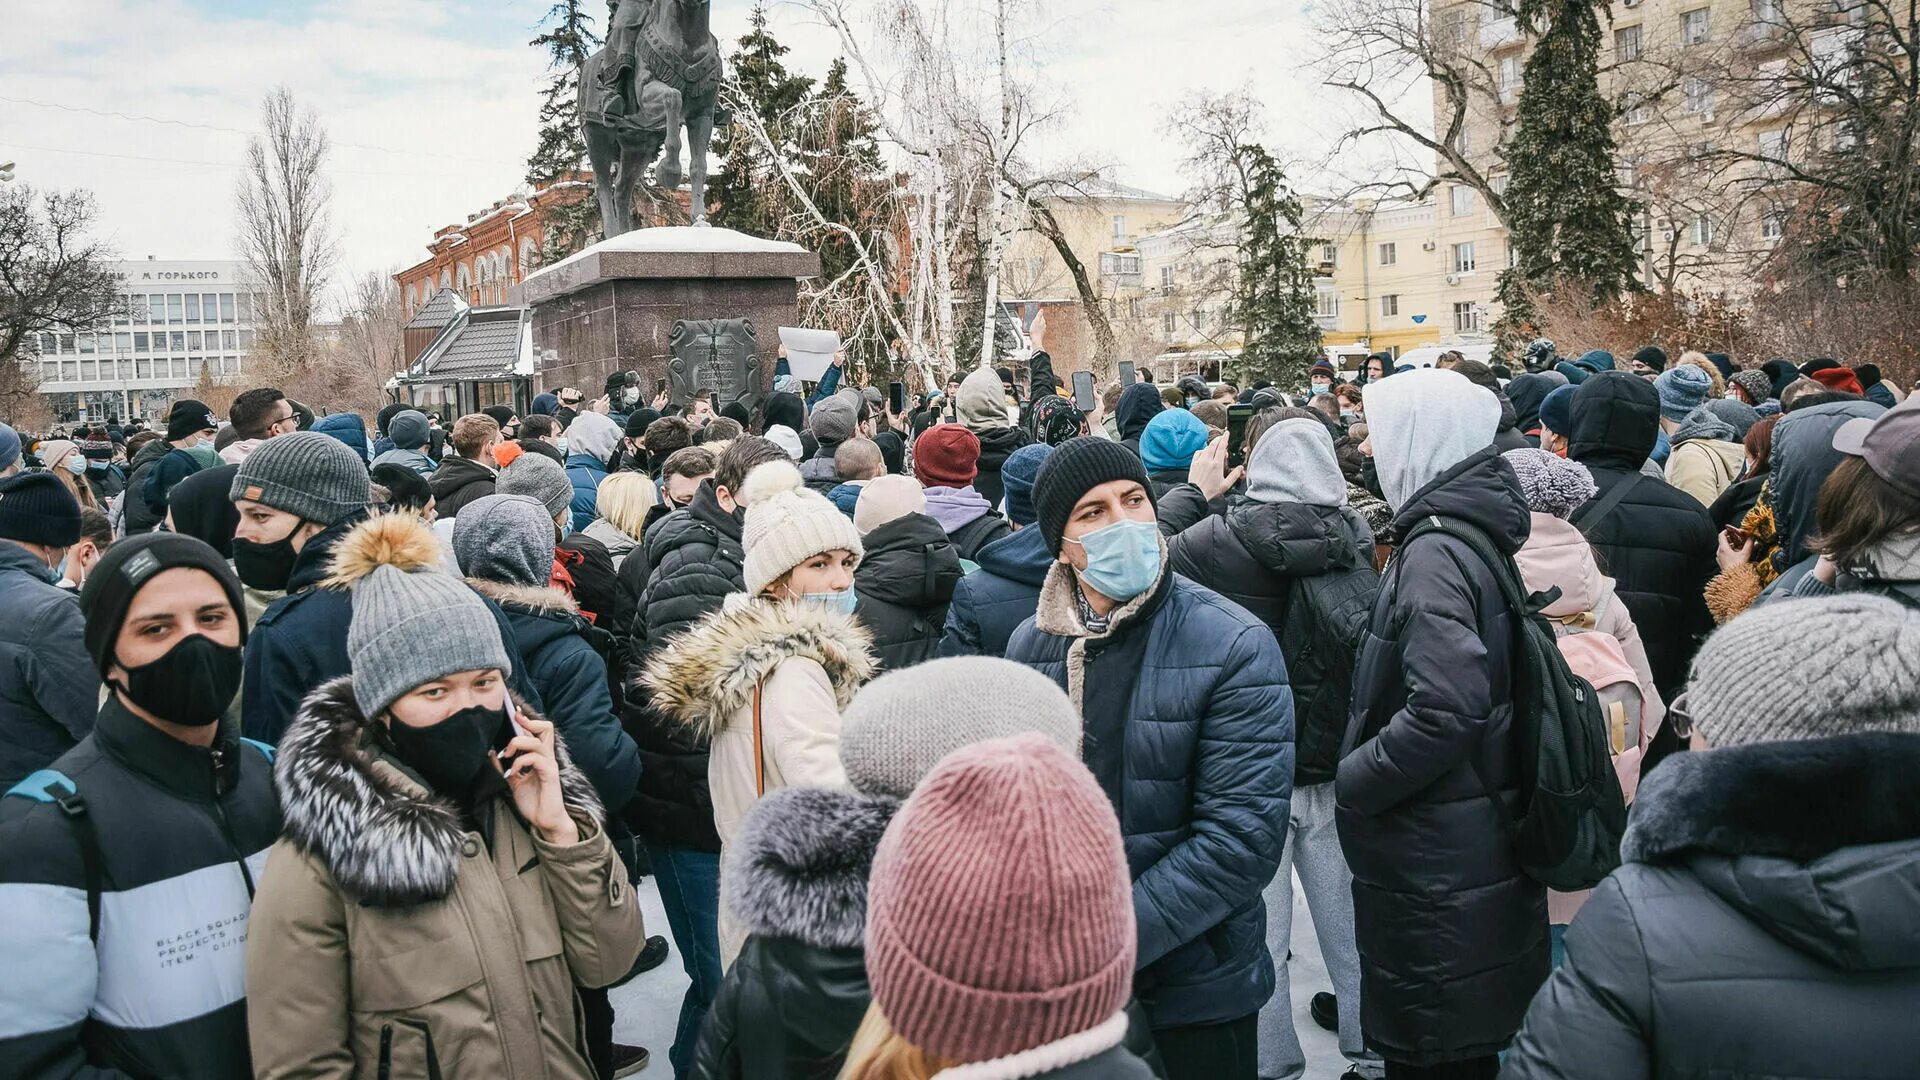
point(1190, 729)
point(585, 472)
point(991, 603)
point(49, 688)
point(349, 429)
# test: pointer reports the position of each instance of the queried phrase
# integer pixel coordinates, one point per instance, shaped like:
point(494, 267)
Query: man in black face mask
point(298, 495)
point(153, 829)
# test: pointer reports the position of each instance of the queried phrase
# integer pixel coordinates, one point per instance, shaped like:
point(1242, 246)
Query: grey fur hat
point(505, 538)
point(1552, 484)
point(412, 621)
point(901, 724)
point(538, 477)
point(1863, 676)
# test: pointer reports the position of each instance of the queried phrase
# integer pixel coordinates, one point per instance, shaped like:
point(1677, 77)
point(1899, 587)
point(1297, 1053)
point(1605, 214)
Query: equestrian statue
point(658, 72)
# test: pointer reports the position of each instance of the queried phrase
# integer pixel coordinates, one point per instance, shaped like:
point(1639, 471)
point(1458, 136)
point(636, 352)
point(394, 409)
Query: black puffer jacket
point(457, 482)
point(996, 445)
point(1764, 924)
point(795, 876)
point(1658, 542)
point(1452, 937)
point(1307, 572)
point(697, 560)
point(905, 582)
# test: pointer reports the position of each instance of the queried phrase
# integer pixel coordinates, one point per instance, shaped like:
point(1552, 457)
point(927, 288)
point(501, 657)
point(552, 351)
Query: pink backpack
point(1598, 657)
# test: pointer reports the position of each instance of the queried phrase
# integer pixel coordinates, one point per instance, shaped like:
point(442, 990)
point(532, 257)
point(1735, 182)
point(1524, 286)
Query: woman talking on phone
point(444, 880)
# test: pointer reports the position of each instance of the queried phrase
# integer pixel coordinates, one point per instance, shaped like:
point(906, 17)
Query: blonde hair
point(76, 486)
point(623, 499)
point(880, 1053)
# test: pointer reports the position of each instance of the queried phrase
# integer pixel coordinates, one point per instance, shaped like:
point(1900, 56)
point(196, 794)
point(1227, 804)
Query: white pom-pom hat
point(787, 524)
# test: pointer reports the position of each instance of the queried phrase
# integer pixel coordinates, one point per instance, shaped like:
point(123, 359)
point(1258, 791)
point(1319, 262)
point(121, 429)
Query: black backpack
point(1572, 814)
point(1321, 628)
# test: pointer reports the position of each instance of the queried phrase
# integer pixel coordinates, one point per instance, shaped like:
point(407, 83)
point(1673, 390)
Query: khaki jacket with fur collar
point(388, 942)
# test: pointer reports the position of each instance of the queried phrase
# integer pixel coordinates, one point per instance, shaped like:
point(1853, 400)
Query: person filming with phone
point(445, 878)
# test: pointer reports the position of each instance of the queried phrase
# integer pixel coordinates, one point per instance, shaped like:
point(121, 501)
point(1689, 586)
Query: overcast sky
point(431, 103)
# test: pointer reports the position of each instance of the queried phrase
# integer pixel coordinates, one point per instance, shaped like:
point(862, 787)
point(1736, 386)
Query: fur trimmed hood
point(706, 675)
point(539, 599)
point(798, 866)
point(1817, 840)
point(387, 840)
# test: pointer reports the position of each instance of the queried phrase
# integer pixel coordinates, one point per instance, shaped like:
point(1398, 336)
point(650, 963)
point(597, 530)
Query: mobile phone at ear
point(1126, 373)
point(896, 398)
point(1237, 418)
point(1083, 391)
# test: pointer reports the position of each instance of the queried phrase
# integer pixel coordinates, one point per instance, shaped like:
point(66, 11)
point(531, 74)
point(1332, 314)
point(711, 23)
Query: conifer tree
point(840, 152)
point(742, 196)
point(568, 40)
point(1275, 298)
point(1567, 220)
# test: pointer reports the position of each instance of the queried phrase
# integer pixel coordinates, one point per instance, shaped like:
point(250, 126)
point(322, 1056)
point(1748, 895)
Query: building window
point(1119, 226)
point(176, 310)
point(1327, 303)
point(86, 343)
point(1166, 277)
point(1773, 225)
point(1466, 317)
point(1702, 230)
point(1626, 44)
point(226, 340)
point(177, 341)
point(156, 308)
point(1509, 77)
point(139, 342)
point(1390, 305)
point(193, 340)
point(1117, 264)
point(193, 307)
point(1462, 200)
point(1766, 12)
point(1695, 26)
point(1330, 254)
point(1699, 96)
point(122, 343)
point(1637, 111)
point(1463, 258)
point(1389, 254)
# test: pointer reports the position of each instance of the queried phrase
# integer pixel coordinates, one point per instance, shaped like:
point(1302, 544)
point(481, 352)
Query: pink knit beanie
point(1000, 912)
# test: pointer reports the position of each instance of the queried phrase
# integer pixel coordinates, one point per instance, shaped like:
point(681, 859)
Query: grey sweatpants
point(1312, 850)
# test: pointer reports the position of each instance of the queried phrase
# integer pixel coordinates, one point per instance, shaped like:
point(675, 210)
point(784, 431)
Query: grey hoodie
point(1294, 462)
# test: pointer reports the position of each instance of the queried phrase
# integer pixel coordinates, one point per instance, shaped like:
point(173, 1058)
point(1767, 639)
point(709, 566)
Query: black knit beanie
point(1076, 467)
point(127, 566)
point(189, 417)
point(36, 508)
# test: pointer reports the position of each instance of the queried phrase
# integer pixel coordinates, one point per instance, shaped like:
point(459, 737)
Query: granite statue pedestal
point(612, 307)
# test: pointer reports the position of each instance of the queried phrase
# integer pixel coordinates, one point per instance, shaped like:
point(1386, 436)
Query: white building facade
point(182, 317)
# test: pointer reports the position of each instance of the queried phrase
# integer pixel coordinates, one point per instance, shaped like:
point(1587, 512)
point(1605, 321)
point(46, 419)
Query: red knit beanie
point(1839, 378)
point(999, 911)
point(946, 455)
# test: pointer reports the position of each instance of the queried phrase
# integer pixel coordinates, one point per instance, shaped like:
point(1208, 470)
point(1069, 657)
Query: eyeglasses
point(278, 420)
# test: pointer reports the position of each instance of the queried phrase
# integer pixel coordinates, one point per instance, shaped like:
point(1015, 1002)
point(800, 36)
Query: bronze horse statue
point(658, 72)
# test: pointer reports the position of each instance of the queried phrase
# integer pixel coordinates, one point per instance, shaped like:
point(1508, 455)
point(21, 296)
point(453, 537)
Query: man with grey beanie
point(587, 561)
point(410, 431)
point(1778, 862)
point(833, 422)
point(298, 495)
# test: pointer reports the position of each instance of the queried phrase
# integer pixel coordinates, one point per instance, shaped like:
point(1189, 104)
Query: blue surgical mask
point(77, 465)
point(561, 445)
point(1123, 559)
point(566, 528)
point(842, 602)
point(204, 444)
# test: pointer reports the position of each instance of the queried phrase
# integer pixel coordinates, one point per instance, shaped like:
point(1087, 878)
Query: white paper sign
point(809, 352)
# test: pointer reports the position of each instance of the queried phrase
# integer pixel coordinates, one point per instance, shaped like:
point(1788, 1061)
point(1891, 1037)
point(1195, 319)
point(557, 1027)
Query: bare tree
point(286, 239)
point(55, 277)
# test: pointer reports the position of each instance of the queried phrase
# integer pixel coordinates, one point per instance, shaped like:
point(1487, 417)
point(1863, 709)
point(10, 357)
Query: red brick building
point(493, 250)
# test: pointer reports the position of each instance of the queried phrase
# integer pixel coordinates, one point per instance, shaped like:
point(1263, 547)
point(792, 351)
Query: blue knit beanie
point(1016, 475)
point(1556, 410)
point(1682, 390)
point(9, 446)
point(1171, 439)
point(1596, 360)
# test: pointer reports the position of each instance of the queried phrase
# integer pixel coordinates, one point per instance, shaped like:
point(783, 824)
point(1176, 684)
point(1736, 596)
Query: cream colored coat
point(806, 663)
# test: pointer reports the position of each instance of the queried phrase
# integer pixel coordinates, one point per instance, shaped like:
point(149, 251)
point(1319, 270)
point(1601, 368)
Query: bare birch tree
point(286, 238)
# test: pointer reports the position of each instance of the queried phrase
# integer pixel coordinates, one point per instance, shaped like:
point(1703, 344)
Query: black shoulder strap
point(75, 809)
point(1589, 517)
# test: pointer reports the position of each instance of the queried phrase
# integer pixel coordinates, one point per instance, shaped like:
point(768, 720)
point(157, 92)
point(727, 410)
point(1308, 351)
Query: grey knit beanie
point(1754, 384)
point(834, 420)
point(1682, 390)
point(1551, 484)
point(412, 621)
point(538, 477)
point(307, 474)
point(409, 429)
point(901, 724)
point(1738, 414)
point(505, 538)
point(1748, 687)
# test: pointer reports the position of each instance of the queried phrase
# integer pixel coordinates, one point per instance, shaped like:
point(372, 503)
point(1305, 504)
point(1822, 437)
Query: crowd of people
point(982, 736)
